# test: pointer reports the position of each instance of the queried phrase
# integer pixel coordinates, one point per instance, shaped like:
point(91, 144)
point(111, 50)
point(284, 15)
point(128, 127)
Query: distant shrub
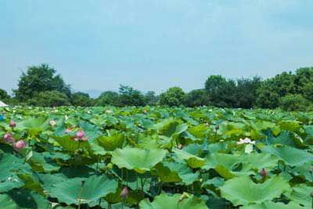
point(294, 102)
point(50, 99)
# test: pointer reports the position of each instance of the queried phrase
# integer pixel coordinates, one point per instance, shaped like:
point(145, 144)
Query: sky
point(96, 45)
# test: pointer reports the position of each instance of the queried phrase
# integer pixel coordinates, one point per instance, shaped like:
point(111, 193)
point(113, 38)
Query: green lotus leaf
point(168, 127)
point(273, 205)
point(42, 162)
point(23, 198)
point(290, 125)
point(33, 125)
point(67, 143)
point(243, 191)
point(6, 168)
point(169, 171)
point(192, 160)
point(173, 202)
point(259, 161)
point(140, 160)
point(224, 172)
point(31, 182)
point(110, 143)
point(10, 183)
point(7, 202)
point(226, 160)
point(166, 175)
point(290, 155)
point(301, 194)
point(83, 191)
point(304, 171)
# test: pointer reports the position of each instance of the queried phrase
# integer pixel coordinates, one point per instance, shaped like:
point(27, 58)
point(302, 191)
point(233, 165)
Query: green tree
point(130, 97)
point(304, 82)
point(246, 92)
point(50, 99)
point(221, 91)
point(173, 97)
point(271, 90)
point(198, 97)
point(107, 98)
point(40, 79)
point(151, 98)
point(214, 83)
point(81, 99)
point(308, 91)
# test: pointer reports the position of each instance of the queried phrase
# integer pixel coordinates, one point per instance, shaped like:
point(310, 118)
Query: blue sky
point(154, 44)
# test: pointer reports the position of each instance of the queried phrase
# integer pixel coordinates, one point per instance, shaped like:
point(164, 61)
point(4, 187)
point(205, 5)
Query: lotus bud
point(21, 144)
point(8, 138)
point(12, 124)
point(263, 173)
point(124, 193)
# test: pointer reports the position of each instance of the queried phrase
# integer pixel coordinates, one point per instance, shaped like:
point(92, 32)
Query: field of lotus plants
point(155, 158)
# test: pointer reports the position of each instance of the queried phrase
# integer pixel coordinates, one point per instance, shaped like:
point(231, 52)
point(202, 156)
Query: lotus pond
point(155, 158)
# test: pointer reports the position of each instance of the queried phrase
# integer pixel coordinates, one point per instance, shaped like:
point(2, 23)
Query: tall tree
point(40, 79)
point(221, 91)
point(246, 92)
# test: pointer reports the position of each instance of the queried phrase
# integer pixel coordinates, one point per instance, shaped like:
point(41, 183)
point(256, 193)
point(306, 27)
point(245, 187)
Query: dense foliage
point(4, 96)
point(155, 158)
point(289, 91)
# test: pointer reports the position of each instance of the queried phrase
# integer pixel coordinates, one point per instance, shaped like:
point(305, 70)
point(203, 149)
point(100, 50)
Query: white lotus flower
point(245, 141)
point(52, 123)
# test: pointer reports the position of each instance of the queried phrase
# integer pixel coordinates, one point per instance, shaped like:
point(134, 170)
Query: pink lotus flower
point(12, 124)
point(21, 144)
point(124, 193)
point(80, 134)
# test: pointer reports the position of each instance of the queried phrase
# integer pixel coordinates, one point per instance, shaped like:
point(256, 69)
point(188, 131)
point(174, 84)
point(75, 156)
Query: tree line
point(42, 86)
